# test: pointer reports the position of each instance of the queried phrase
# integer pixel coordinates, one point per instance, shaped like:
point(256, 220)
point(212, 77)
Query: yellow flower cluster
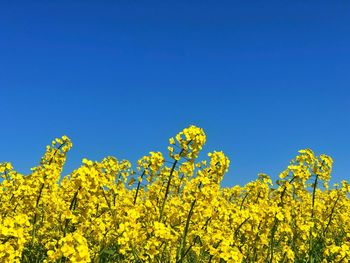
point(171, 210)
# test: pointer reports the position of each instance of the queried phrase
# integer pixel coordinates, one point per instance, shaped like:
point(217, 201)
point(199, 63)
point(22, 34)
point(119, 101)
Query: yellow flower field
point(172, 209)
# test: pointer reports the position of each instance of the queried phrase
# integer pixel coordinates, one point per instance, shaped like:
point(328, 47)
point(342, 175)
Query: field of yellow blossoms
point(171, 209)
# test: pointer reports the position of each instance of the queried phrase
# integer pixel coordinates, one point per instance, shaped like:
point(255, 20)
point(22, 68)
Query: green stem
point(138, 187)
point(312, 219)
point(41, 191)
point(168, 187)
point(183, 241)
point(71, 207)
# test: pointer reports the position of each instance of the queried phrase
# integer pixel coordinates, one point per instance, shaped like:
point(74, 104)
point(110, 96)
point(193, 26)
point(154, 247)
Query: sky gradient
point(262, 78)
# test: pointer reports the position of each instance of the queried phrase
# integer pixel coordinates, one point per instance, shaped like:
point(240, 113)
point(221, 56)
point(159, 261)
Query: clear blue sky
point(262, 78)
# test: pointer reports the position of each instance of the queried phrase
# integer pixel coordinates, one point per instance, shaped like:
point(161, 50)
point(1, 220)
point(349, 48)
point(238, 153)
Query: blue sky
point(262, 78)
